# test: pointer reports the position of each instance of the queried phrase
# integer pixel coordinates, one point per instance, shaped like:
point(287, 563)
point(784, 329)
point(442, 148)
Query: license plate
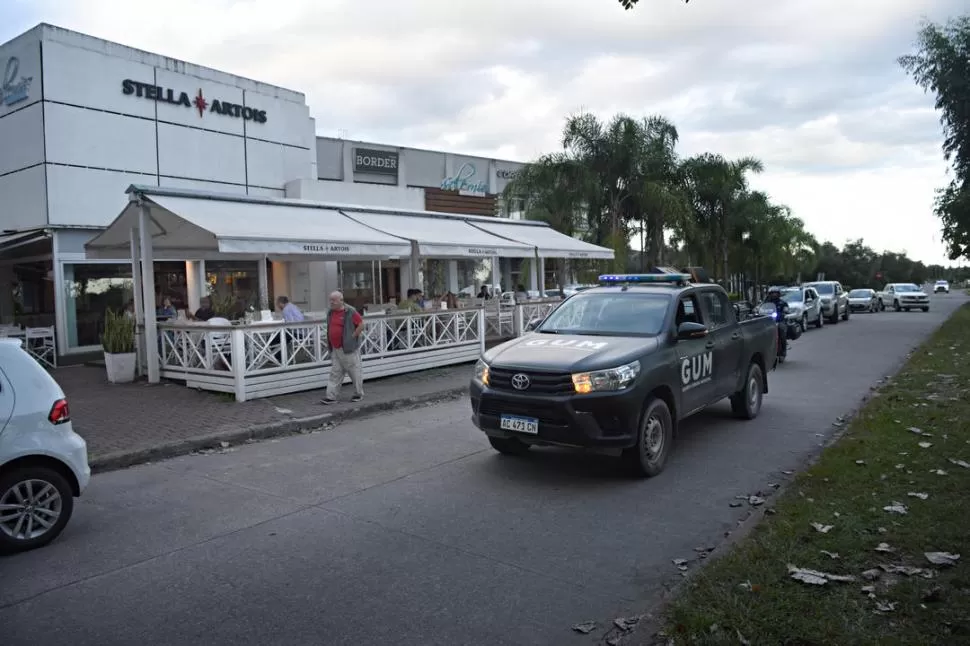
point(518, 424)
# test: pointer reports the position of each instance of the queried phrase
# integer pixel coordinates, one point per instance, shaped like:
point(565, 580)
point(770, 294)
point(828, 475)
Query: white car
point(905, 297)
point(43, 462)
point(941, 286)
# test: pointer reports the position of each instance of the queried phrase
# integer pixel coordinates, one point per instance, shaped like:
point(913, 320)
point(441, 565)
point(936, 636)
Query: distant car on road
point(864, 300)
point(43, 462)
point(835, 300)
point(941, 286)
point(618, 366)
point(905, 297)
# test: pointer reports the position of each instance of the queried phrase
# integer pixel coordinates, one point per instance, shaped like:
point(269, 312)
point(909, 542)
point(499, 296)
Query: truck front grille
point(546, 383)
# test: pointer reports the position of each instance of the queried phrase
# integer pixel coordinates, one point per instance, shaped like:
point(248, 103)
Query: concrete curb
point(123, 459)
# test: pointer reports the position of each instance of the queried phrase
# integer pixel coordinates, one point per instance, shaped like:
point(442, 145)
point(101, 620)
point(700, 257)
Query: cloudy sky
point(810, 87)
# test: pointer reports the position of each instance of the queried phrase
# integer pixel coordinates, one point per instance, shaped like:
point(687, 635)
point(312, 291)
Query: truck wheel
point(746, 403)
point(655, 436)
point(509, 445)
point(925, 309)
point(896, 306)
point(35, 505)
point(804, 323)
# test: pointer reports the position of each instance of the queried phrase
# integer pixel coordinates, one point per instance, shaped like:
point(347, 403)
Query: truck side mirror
point(690, 330)
point(533, 324)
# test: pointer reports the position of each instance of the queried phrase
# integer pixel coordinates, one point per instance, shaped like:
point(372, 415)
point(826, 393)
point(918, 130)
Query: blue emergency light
point(617, 279)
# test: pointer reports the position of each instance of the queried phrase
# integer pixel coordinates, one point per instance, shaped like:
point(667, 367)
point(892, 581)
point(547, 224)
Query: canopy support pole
point(263, 275)
point(380, 283)
point(148, 295)
point(139, 303)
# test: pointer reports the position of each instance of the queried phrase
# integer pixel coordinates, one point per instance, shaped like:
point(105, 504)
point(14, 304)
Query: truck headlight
point(611, 379)
point(481, 372)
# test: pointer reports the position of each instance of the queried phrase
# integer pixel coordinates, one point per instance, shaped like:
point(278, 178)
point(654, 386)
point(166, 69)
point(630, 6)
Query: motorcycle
point(788, 330)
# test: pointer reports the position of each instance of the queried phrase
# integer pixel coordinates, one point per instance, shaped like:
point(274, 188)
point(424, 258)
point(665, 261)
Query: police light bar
point(613, 279)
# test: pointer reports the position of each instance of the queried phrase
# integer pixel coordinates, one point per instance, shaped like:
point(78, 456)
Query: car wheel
point(655, 437)
point(509, 445)
point(835, 316)
point(820, 321)
point(804, 325)
point(35, 505)
point(925, 309)
point(896, 306)
point(845, 316)
point(746, 403)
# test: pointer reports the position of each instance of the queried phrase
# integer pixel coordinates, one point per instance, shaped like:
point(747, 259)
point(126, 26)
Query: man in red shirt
point(344, 327)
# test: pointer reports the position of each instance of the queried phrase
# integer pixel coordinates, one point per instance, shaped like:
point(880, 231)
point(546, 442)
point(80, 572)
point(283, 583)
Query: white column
point(194, 281)
point(533, 273)
point(496, 276)
point(451, 276)
point(404, 279)
point(139, 302)
point(262, 273)
point(537, 274)
point(148, 296)
point(542, 273)
point(415, 266)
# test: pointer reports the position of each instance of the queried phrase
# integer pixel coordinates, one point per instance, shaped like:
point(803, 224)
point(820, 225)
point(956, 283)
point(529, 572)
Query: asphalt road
point(408, 529)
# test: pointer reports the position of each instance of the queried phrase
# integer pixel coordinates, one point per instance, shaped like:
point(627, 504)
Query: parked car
point(864, 300)
point(618, 366)
point(905, 297)
point(941, 286)
point(43, 462)
point(805, 305)
point(835, 300)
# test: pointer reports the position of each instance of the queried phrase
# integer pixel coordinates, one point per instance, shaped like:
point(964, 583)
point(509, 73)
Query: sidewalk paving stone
point(127, 424)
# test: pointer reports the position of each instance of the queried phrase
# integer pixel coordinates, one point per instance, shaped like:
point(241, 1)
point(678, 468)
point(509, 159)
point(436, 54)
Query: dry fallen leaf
point(823, 529)
point(960, 463)
point(860, 462)
point(908, 570)
point(814, 577)
point(755, 501)
point(925, 445)
point(585, 628)
point(627, 624)
point(885, 606)
point(896, 508)
point(884, 547)
point(918, 494)
point(831, 555)
point(872, 575)
point(944, 559)
point(939, 472)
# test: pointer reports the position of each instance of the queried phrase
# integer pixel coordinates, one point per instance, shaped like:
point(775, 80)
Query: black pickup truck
point(618, 366)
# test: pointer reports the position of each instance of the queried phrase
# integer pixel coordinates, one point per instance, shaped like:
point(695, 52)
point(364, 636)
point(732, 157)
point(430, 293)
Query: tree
point(941, 65)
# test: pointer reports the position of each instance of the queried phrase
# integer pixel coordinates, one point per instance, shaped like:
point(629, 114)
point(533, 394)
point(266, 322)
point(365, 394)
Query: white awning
point(188, 225)
point(440, 236)
point(547, 242)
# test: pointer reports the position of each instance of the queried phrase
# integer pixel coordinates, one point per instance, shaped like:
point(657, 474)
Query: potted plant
point(118, 342)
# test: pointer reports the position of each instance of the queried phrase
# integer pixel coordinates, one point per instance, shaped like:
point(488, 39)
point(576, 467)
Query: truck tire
point(845, 316)
point(655, 437)
point(804, 323)
point(835, 316)
point(896, 306)
point(746, 403)
point(509, 445)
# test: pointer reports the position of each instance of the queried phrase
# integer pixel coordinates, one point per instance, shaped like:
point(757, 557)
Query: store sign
point(506, 173)
point(463, 182)
point(15, 88)
point(199, 102)
point(375, 162)
point(326, 248)
point(482, 251)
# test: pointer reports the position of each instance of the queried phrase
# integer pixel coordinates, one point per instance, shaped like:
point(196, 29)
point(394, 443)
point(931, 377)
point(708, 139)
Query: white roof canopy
point(189, 225)
point(442, 236)
point(548, 242)
point(196, 225)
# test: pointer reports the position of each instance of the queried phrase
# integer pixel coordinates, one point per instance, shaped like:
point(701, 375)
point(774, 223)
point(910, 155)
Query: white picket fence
point(264, 359)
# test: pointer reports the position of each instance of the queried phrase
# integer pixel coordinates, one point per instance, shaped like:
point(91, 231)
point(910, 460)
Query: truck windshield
point(792, 296)
point(860, 293)
point(907, 288)
point(609, 314)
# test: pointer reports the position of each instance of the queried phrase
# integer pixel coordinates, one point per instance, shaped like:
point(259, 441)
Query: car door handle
point(710, 344)
point(735, 336)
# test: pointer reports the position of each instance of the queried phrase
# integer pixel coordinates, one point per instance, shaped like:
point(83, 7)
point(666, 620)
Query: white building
point(82, 119)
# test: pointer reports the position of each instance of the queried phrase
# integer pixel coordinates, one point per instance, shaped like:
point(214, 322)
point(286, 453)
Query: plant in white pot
point(118, 342)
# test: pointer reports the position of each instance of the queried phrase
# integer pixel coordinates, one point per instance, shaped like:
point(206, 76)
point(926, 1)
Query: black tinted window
point(717, 306)
point(609, 313)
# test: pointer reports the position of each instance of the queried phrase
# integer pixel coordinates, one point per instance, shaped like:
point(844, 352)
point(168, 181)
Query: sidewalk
point(127, 424)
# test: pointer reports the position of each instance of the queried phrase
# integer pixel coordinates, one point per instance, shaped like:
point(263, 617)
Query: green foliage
point(941, 65)
point(119, 333)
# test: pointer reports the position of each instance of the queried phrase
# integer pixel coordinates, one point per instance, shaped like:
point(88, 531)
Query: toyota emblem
point(520, 381)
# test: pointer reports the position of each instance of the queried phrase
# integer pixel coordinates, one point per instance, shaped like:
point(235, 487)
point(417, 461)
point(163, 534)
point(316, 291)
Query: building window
point(90, 290)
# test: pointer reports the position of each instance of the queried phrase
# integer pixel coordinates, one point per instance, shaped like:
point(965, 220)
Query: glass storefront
point(90, 290)
point(357, 282)
point(31, 294)
point(234, 286)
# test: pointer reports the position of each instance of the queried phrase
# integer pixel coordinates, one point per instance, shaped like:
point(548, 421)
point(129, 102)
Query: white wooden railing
point(264, 359)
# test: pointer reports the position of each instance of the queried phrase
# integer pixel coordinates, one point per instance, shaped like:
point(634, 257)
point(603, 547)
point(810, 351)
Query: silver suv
point(835, 300)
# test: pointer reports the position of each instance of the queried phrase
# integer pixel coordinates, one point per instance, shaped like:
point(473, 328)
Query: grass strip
point(895, 487)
